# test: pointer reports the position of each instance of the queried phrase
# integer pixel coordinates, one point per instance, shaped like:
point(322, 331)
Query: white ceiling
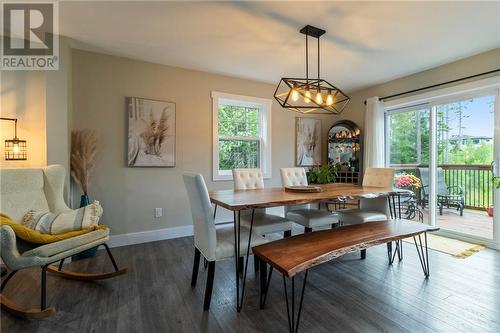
point(366, 42)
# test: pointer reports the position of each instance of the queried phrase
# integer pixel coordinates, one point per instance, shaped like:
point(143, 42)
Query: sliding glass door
point(443, 151)
point(465, 153)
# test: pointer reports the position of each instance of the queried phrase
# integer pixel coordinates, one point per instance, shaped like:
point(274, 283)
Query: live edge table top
point(298, 253)
point(277, 196)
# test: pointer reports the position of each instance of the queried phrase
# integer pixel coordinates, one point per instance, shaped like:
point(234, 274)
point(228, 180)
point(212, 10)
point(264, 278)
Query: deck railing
point(474, 179)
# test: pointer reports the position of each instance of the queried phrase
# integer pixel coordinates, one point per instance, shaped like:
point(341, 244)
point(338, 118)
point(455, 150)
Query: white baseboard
point(149, 236)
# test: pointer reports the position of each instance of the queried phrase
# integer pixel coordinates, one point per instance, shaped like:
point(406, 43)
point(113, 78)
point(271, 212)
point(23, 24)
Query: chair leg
point(196, 266)
point(287, 233)
point(307, 229)
point(255, 264)
point(363, 254)
point(43, 289)
point(210, 284)
point(110, 255)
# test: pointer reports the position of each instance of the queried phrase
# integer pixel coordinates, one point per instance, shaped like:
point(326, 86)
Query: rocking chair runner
point(41, 189)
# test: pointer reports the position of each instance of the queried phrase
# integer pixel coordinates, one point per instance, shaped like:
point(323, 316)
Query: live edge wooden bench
point(299, 253)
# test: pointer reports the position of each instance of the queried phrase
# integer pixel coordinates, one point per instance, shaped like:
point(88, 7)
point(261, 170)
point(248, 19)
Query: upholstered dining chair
point(215, 244)
point(370, 209)
point(251, 179)
point(305, 215)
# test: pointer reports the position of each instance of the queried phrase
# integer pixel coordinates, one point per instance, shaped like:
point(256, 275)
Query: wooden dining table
point(241, 200)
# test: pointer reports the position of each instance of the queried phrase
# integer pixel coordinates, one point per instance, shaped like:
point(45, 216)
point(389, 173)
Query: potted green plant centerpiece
point(322, 174)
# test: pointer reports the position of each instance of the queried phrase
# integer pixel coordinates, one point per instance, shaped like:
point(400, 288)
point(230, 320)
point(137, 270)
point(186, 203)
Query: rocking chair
point(41, 189)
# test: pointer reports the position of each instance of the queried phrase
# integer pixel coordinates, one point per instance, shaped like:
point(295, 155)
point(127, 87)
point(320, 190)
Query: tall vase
point(85, 201)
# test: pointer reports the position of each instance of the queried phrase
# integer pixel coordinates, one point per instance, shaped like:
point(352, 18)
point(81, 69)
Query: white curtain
point(374, 143)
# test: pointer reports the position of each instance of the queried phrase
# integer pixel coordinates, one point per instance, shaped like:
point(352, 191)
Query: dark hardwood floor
point(345, 295)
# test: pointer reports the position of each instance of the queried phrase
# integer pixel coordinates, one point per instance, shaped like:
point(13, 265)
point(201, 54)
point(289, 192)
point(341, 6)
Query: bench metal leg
point(265, 280)
point(423, 254)
point(239, 265)
point(389, 251)
point(293, 324)
point(398, 251)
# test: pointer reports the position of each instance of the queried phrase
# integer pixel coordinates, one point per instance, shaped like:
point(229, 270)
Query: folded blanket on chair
point(36, 237)
point(65, 221)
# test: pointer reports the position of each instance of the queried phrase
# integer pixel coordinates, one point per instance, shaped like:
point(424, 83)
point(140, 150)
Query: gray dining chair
point(305, 215)
point(371, 209)
point(264, 223)
point(214, 243)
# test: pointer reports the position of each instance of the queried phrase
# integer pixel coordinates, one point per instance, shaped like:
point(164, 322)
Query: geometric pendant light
point(308, 95)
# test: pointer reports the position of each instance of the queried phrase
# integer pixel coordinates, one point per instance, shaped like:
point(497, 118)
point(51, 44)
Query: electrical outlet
point(158, 212)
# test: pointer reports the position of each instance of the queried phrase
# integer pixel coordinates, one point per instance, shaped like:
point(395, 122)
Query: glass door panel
point(408, 151)
point(465, 152)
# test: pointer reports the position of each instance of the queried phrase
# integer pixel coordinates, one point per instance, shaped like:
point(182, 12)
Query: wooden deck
point(474, 223)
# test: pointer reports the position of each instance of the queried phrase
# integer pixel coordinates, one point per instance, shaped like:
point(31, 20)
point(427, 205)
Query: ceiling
point(366, 42)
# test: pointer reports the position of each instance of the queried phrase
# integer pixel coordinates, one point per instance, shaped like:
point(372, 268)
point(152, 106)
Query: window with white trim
point(241, 134)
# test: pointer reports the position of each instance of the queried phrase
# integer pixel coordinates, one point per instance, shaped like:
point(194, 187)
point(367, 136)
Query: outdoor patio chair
point(447, 196)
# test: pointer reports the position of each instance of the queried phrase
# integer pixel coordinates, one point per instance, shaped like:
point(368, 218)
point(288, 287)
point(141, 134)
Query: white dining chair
point(215, 244)
point(371, 209)
point(305, 215)
point(263, 223)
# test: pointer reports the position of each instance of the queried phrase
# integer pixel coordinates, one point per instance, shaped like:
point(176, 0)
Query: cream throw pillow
point(69, 220)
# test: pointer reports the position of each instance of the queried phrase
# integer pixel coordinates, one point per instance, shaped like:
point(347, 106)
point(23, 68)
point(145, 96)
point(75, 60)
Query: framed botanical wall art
point(308, 141)
point(151, 133)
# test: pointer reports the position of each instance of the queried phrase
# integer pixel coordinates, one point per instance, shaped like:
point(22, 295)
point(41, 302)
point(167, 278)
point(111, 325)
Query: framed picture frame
point(307, 142)
point(151, 133)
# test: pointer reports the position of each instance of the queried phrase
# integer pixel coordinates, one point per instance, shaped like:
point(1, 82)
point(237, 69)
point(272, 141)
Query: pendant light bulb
point(295, 94)
point(319, 98)
point(329, 99)
point(15, 148)
point(307, 98)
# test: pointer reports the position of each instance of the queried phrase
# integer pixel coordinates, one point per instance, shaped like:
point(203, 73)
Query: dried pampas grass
point(83, 153)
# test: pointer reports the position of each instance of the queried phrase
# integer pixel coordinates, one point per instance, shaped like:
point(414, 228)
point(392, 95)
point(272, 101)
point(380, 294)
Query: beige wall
point(129, 195)
point(41, 101)
point(58, 110)
point(23, 96)
point(480, 63)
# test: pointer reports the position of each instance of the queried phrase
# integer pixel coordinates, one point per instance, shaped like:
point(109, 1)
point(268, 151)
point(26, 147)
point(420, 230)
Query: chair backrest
point(205, 238)
point(442, 188)
point(293, 177)
point(248, 179)
point(378, 177)
point(22, 190)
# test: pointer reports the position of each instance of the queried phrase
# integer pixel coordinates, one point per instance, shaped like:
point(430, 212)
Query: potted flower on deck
point(496, 183)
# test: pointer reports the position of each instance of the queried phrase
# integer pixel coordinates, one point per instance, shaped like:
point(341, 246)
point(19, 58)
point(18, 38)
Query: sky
point(480, 120)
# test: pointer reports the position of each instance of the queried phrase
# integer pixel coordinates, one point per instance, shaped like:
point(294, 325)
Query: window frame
point(264, 106)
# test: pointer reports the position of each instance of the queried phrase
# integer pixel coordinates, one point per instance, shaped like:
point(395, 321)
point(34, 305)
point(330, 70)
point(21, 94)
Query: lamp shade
point(15, 150)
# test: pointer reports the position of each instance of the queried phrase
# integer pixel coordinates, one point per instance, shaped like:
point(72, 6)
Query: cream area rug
point(455, 247)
